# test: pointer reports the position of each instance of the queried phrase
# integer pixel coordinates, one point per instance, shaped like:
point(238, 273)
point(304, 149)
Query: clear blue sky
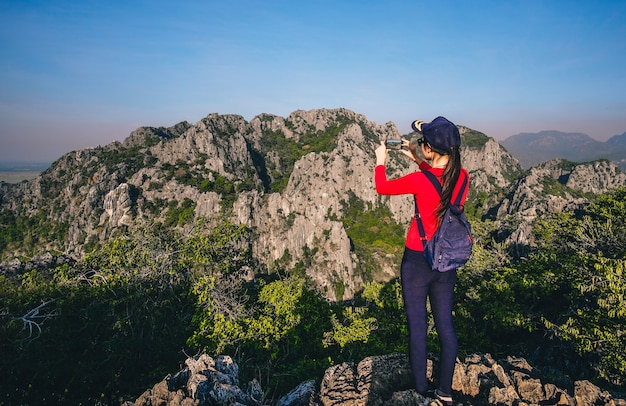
point(75, 74)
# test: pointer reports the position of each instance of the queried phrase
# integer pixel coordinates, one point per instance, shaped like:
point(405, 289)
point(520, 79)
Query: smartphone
point(393, 144)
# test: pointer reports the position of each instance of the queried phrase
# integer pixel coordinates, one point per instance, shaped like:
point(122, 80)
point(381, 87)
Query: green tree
point(116, 321)
point(589, 251)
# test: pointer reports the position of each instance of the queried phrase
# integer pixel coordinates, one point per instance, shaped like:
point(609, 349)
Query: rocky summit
point(378, 380)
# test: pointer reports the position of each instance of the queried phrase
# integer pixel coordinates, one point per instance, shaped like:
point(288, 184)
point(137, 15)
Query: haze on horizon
point(76, 74)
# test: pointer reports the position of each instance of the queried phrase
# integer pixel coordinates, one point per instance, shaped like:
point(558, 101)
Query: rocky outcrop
point(117, 206)
point(559, 185)
point(595, 177)
point(379, 380)
point(203, 381)
point(553, 187)
point(490, 160)
point(41, 263)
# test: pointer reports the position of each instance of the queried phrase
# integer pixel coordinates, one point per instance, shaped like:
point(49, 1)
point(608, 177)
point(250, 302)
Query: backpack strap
point(459, 196)
point(420, 224)
point(433, 179)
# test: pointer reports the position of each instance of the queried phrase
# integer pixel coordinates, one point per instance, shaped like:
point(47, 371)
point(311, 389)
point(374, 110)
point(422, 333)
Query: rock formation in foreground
point(378, 380)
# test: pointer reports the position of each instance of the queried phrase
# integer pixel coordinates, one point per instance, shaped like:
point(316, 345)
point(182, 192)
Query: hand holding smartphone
point(393, 144)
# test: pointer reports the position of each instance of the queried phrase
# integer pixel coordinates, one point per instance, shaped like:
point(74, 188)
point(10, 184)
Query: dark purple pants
point(419, 282)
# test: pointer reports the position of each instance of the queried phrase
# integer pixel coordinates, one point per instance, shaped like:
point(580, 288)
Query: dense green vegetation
point(280, 165)
point(474, 139)
point(372, 231)
point(111, 325)
point(29, 232)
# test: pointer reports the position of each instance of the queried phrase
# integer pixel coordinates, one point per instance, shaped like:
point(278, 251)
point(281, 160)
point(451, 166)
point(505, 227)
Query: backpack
point(451, 245)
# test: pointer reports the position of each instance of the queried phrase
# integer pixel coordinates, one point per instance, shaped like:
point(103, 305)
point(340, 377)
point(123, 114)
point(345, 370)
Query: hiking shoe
point(444, 400)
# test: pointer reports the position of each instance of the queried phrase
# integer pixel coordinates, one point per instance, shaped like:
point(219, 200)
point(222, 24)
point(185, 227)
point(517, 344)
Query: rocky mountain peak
point(291, 180)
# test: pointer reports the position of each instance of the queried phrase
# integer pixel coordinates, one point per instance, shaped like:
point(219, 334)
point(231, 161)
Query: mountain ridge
point(530, 148)
point(534, 148)
point(294, 180)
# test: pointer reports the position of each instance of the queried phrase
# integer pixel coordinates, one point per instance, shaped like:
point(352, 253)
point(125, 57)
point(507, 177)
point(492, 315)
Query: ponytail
point(450, 177)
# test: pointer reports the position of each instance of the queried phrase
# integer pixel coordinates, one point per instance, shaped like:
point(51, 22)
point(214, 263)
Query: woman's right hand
point(381, 154)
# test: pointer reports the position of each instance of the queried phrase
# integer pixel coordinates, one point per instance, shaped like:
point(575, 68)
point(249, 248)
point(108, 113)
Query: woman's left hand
point(411, 151)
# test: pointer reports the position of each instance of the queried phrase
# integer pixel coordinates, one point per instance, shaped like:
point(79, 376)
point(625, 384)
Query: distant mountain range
point(534, 148)
point(23, 166)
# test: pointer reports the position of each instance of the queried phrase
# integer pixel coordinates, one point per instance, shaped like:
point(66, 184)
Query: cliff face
point(291, 180)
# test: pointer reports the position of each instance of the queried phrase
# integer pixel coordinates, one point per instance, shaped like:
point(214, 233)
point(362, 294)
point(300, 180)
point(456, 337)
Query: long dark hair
point(450, 177)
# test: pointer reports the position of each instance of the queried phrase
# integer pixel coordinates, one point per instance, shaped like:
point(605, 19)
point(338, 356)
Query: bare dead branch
point(33, 319)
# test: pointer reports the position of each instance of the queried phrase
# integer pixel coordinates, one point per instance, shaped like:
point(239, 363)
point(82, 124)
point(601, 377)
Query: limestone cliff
point(291, 180)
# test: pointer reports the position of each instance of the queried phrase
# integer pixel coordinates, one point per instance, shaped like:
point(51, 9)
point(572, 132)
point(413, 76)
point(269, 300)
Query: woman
point(440, 145)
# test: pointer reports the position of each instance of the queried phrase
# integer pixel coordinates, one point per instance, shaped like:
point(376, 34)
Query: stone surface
point(375, 381)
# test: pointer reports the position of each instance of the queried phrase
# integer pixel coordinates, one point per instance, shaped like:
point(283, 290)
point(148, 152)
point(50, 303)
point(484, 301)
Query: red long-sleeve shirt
point(417, 184)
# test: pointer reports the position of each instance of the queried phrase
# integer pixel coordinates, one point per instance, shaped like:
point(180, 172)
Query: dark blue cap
point(441, 134)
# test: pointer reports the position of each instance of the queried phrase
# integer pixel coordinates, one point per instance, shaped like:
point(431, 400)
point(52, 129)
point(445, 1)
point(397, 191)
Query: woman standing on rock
point(440, 145)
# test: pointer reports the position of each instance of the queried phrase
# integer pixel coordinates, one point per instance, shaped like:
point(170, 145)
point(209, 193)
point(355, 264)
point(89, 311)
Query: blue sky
point(76, 74)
